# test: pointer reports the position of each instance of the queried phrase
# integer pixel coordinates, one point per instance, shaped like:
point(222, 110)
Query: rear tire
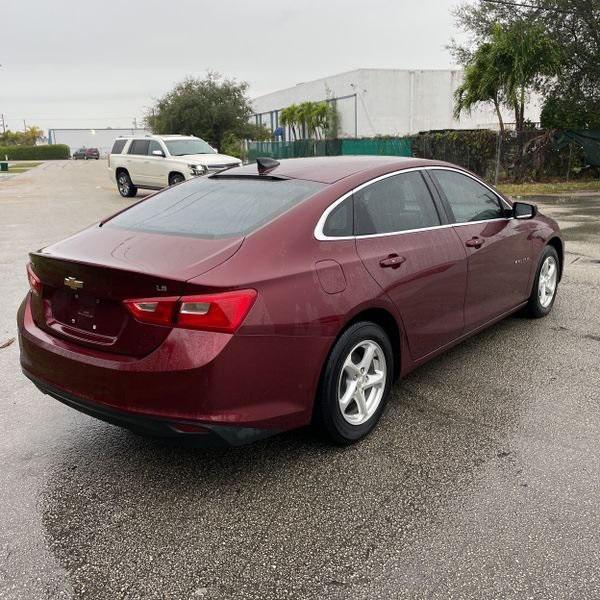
point(175, 178)
point(545, 284)
point(355, 384)
point(125, 185)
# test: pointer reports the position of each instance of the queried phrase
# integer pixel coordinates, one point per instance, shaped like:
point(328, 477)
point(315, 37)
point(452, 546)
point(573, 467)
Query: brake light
point(215, 312)
point(223, 312)
point(158, 311)
point(34, 281)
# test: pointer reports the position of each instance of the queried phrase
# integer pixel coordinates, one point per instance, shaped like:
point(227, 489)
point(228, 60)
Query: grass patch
point(559, 187)
point(21, 166)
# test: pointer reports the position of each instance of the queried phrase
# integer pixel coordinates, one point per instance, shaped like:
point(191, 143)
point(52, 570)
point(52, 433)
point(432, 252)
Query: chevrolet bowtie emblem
point(73, 283)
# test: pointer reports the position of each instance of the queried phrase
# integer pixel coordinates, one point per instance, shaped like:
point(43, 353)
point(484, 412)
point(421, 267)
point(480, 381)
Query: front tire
point(125, 185)
point(355, 384)
point(545, 285)
point(176, 178)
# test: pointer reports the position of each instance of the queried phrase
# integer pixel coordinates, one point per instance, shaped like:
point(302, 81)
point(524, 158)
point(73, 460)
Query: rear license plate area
point(87, 312)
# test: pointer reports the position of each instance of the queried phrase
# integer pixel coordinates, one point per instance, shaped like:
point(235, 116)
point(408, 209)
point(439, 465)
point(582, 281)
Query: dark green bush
point(49, 152)
point(528, 156)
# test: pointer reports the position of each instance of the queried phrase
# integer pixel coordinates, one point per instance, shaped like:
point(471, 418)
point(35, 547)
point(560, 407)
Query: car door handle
point(393, 261)
point(475, 242)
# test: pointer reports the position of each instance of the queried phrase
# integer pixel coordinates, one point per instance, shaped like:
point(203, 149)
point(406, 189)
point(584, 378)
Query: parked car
point(270, 296)
point(157, 161)
point(86, 154)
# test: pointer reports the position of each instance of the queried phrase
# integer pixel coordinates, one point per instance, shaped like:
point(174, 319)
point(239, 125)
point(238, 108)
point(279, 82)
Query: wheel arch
point(120, 170)
point(174, 172)
point(380, 316)
point(559, 246)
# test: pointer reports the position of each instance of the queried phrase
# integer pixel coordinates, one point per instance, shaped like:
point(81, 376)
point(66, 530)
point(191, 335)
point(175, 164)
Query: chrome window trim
point(319, 235)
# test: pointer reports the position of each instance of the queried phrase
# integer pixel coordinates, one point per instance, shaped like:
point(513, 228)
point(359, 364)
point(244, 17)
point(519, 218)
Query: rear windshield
point(214, 207)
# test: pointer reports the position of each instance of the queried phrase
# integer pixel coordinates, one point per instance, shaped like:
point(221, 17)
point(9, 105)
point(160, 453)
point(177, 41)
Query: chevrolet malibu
point(270, 296)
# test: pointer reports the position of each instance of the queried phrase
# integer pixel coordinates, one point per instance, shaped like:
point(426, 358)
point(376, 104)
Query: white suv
point(156, 161)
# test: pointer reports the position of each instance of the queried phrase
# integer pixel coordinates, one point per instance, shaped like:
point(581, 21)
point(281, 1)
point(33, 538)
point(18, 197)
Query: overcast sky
point(98, 63)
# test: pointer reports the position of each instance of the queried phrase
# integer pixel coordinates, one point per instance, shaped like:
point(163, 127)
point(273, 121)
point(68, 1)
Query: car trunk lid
point(86, 278)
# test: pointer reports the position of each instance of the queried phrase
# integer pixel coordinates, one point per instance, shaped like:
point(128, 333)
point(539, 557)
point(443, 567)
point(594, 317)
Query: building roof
point(351, 73)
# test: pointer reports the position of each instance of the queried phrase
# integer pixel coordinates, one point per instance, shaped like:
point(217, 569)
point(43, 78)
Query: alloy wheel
point(547, 281)
point(123, 185)
point(362, 382)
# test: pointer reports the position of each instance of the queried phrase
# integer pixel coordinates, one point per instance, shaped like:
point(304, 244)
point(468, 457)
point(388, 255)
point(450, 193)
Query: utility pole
point(3, 124)
point(134, 122)
point(24, 125)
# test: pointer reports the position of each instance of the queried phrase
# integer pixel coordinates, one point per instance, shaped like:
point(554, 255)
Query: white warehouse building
point(101, 138)
point(393, 102)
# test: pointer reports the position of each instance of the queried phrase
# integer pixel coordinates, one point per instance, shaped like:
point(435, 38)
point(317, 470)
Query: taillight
point(34, 281)
point(222, 312)
point(158, 311)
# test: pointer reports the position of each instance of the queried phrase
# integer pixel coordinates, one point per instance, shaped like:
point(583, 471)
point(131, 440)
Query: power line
point(524, 5)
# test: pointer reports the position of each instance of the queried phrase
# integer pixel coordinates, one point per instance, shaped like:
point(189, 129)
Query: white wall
point(91, 138)
point(389, 101)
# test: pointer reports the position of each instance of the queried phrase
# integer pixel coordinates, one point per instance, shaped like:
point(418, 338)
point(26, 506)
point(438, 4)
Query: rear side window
point(398, 203)
point(118, 146)
point(468, 199)
point(139, 147)
point(215, 207)
point(340, 222)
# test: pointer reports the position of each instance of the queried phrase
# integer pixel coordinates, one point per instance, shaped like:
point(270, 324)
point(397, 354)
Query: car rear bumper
point(213, 380)
point(204, 435)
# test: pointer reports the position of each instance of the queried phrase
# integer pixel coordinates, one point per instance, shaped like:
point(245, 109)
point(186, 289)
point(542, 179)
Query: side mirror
point(524, 210)
point(158, 153)
point(215, 149)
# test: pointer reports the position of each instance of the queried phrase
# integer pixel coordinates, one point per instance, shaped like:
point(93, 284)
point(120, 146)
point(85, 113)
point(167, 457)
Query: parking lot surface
point(482, 480)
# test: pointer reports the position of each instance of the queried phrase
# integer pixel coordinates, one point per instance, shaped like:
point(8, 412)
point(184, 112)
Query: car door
point(155, 169)
point(136, 157)
point(499, 247)
point(416, 258)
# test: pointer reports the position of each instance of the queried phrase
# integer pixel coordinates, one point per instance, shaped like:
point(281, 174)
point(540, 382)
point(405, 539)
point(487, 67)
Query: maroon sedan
point(267, 297)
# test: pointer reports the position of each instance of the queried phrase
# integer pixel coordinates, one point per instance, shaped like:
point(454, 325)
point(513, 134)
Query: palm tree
point(482, 83)
point(309, 119)
point(289, 118)
point(503, 70)
point(321, 113)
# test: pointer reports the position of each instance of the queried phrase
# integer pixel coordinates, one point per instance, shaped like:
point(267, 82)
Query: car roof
point(175, 136)
point(171, 136)
point(329, 169)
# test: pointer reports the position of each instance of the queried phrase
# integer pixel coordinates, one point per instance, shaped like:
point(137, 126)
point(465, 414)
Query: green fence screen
point(339, 147)
point(378, 146)
point(588, 139)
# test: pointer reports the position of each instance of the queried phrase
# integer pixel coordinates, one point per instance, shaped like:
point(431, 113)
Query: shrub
point(49, 152)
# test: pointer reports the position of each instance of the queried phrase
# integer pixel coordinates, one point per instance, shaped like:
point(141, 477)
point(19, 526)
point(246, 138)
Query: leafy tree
point(310, 119)
point(290, 118)
point(482, 84)
point(516, 59)
point(574, 26)
point(233, 144)
point(563, 112)
point(209, 108)
point(29, 137)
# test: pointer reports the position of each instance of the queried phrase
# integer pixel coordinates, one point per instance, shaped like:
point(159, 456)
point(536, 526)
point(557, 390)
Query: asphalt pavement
point(482, 480)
